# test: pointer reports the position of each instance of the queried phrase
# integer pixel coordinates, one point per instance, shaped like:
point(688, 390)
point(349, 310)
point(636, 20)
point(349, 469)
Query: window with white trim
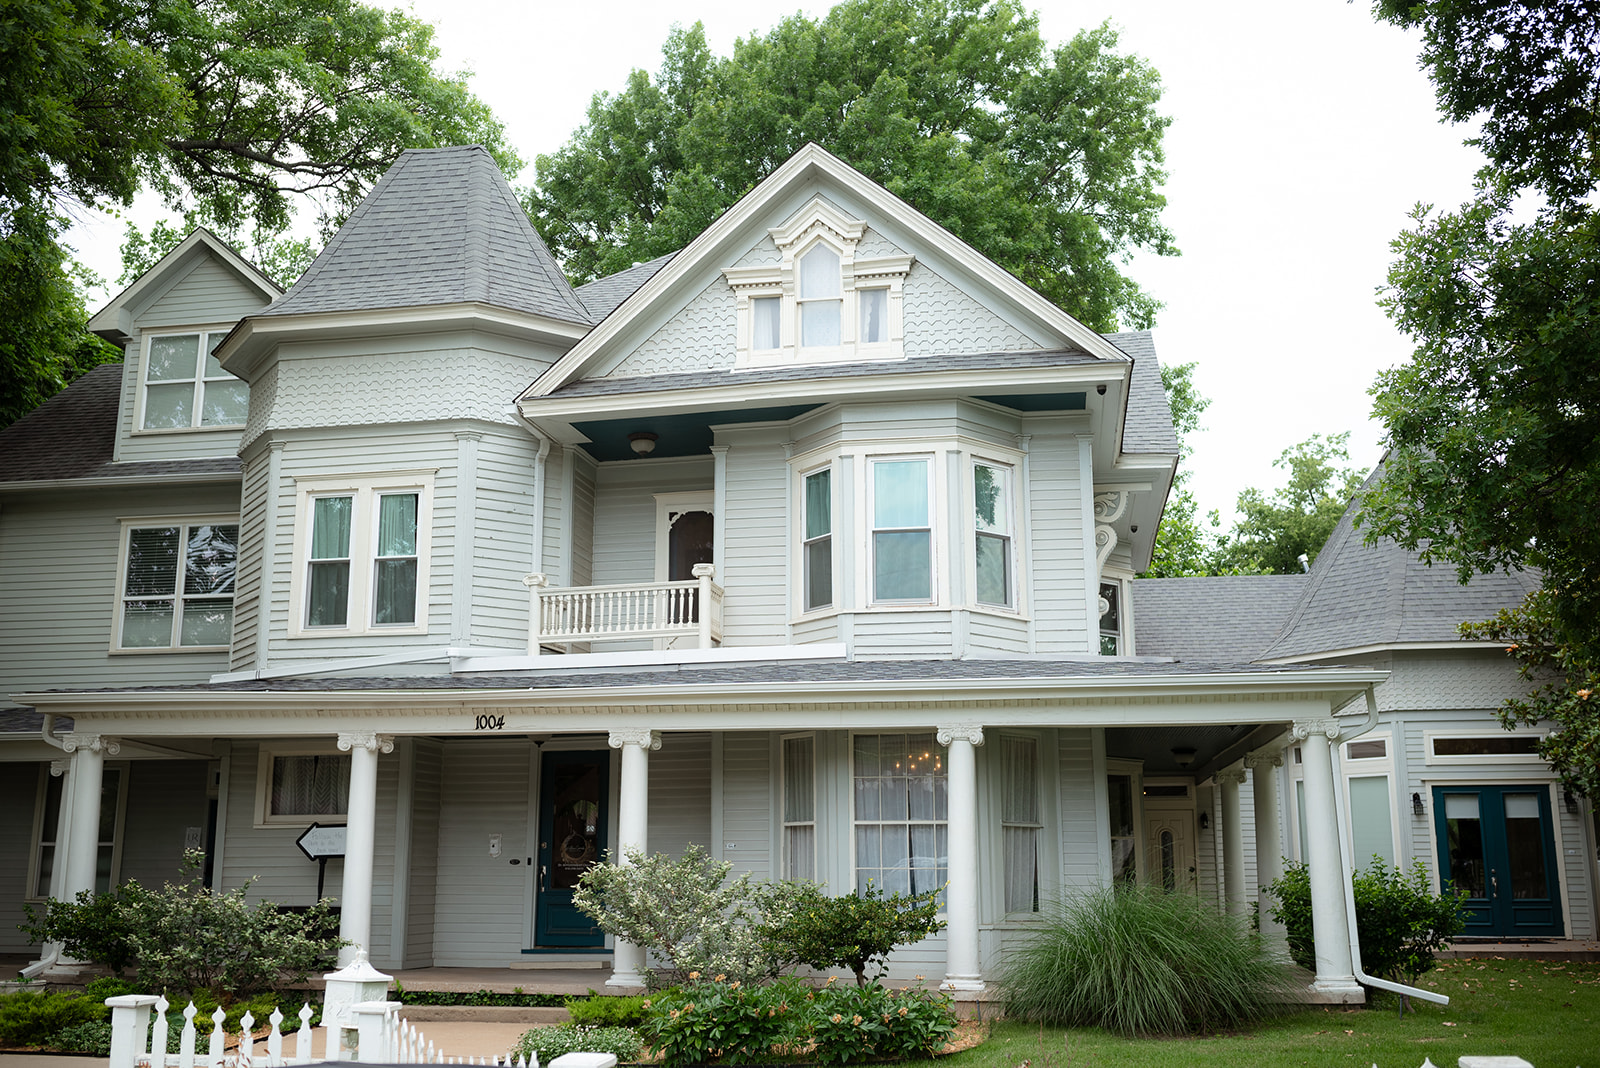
point(900, 502)
point(901, 807)
point(1021, 821)
point(1123, 819)
point(361, 555)
point(185, 386)
point(800, 807)
point(47, 819)
point(820, 300)
point(177, 585)
point(816, 550)
point(992, 518)
point(1111, 643)
point(299, 784)
point(1451, 747)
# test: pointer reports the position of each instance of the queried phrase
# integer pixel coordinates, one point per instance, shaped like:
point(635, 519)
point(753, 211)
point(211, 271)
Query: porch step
point(484, 1014)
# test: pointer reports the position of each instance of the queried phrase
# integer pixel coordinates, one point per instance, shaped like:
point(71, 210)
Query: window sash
point(799, 807)
point(902, 531)
point(874, 310)
point(160, 611)
point(901, 805)
point(765, 320)
point(394, 578)
point(1020, 821)
point(183, 390)
point(1111, 619)
point(817, 543)
point(309, 785)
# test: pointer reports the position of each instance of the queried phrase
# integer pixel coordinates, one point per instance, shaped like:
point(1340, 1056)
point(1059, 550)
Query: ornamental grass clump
point(1141, 961)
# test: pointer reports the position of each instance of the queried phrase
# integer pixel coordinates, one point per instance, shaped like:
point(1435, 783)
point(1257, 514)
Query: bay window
point(991, 497)
point(185, 386)
point(177, 585)
point(902, 531)
point(817, 551)
point(361, 555)
point(901, 809)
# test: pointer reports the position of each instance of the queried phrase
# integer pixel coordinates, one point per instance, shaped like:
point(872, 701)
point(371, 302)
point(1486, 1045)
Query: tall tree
point(1281, 533)
point(1494, 426)
point(233, 107)
point(1049, 162)
point(1183, 546)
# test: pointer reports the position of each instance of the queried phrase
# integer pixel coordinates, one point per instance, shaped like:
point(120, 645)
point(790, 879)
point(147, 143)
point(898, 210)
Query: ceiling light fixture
point(643, 442)
point(1184, 755)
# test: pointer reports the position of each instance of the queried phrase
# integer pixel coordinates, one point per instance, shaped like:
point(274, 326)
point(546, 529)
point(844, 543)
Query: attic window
point(185, 386)
point(819, 303)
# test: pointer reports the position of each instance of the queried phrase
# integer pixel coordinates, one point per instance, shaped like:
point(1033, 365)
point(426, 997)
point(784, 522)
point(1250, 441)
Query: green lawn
point(1547, 1012)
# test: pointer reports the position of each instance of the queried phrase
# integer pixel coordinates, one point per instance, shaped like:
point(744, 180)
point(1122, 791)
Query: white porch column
point(962, 971)
point(1329, 926)
point(1264, 765)
point(89, 752)
point(61, 769)
point(355, 895)
point(633, 828)
point(1230, 779)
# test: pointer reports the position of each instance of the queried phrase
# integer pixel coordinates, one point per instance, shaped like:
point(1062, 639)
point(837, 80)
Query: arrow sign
point(319, 842)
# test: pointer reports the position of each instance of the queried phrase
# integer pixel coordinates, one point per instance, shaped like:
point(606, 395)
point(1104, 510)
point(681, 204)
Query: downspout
point(52, 950)
point(1347, 865)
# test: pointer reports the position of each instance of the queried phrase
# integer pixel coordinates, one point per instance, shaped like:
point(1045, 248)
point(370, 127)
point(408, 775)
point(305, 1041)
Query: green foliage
point(92, 1037)
point(1399, 920)
point(706, 1021)
point(597, 1010)
point(1048, 162)
point(1277, 529)
point(478, 997)
point(92, 927)
point(1183, 547)
point(853, 930)
point(109, 987)
point(281, 258)
point(30, 1019)
point(874, 1023)
point(689, 915)
point(1140, 961)
point(549, 1042)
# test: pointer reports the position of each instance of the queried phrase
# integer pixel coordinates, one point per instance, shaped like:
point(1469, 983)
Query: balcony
point(664, 611)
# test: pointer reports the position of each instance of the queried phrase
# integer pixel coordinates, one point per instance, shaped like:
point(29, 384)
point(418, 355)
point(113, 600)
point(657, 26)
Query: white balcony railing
point(564, 614)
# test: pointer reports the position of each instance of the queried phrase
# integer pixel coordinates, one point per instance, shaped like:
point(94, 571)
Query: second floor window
point(991, 499)
point(362, 556)
point(818, 550)
point(902, 531)
point(1111, 619)
point(185, 386)
point(177, 586)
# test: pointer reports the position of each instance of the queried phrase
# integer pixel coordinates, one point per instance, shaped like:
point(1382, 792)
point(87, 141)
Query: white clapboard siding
point(251, 575)
point(427, 780)
point(502, 539)
point(481, 900)
point(1080, 826)
point(581, 528)
point(896, 635)
point(625, 513)
point(747, 802)
point(755, 553)
point(61, 551)
point(996, 634)
point(208, 293)
point(1060, 545)
point(680, 794)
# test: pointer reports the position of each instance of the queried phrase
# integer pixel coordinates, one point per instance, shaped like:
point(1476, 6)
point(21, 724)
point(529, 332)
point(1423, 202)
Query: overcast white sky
point(1303, 133)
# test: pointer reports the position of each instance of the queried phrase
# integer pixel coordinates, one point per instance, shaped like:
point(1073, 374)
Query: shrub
point(686, 912)
point(550, 1042)
point(29, 1019)
point(91, 927)
point(857, 1023)
point(92, 1037)
point(596, 1010)
point(1400, 921)
point(707, 1021)
point(1139, 960)
point(853, 930)
point(109, 987)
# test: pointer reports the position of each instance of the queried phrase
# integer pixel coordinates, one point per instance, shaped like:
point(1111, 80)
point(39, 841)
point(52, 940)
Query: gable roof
point(71, 436)
point(603, 295)
point(115, 321)
point(440, 227)
point(810, 169)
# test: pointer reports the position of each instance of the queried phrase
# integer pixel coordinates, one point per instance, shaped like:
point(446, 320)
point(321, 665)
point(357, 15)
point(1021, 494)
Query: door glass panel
point(1525, 847)
point(574, 844)
point(1464, 840)
point(1169, 865)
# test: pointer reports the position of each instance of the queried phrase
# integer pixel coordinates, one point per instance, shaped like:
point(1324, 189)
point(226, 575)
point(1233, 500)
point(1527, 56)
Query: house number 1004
point(489, 723)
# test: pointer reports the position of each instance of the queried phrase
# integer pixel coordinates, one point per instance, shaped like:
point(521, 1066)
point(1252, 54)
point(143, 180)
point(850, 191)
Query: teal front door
point(572, 835)
point(1497, 844)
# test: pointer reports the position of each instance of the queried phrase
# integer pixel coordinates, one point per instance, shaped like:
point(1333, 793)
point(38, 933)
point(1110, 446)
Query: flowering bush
point(858, 1023)
point(687, 913)
point(707, 1021)
point(548, 1043)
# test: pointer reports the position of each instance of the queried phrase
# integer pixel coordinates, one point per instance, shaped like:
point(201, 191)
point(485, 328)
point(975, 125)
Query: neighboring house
point(811, 544)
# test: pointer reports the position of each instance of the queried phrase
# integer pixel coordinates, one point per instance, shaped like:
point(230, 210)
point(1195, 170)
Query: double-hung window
point(362, 555)
point(800, 807)
point(177, 585)
point(991, 499)
point(902, 531)
point(821, 298)
point(901, 808)
point(1020, 821)
point(185, 386)
point(817, 545)
point(297, 784)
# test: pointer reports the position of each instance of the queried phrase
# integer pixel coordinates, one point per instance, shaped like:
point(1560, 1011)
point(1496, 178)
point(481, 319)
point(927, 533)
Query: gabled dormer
point(177, 401)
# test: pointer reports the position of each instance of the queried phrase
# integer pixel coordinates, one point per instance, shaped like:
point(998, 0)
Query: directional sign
point(319, 842)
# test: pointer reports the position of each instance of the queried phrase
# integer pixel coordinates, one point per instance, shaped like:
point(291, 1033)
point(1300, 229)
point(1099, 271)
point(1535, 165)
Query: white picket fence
point(140, 1041)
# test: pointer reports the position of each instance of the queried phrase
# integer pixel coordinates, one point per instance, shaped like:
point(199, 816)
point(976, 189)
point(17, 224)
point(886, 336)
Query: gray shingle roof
point(19, 719)
point(602, 295)
point(72, 434)
point(440, 227)
point(1231, 617)
point(1359, 595)
point(1148, 427)
point(609, 387)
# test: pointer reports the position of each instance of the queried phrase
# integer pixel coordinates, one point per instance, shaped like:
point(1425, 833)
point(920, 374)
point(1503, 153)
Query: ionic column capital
point(59, 768)
point(1304, 729)
point(95, 743)
point(368, 740)
point(643, 737)
point(1264, 758)
point(971, 733)
point(1234, 775)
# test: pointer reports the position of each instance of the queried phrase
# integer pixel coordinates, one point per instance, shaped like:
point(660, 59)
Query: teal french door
point(1497, 843)
point(572, 835)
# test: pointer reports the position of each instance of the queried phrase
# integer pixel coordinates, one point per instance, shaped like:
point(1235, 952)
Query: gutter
point(1347, 870)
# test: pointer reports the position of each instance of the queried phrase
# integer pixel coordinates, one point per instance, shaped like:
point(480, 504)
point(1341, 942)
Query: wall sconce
point(1205, 821)
point(642, 442)
point(1569, 800)
point(1417, 808)
point(1183, 755)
